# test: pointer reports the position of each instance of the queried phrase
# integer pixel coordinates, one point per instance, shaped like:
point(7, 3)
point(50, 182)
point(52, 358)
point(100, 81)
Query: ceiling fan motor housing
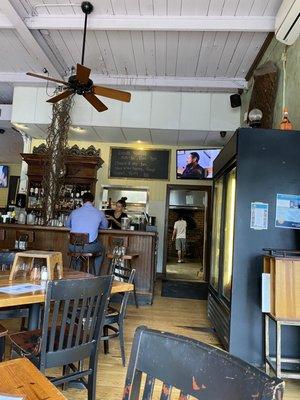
point(86, 7)
point(79, 87)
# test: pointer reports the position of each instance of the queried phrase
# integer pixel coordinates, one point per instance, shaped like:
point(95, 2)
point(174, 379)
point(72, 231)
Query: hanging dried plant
point(55, 168)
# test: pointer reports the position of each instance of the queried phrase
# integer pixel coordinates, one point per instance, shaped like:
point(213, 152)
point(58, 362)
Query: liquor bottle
point(285, 124)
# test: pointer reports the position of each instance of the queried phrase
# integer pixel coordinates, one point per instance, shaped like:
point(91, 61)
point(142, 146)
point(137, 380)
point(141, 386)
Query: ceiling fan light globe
point(86, 7)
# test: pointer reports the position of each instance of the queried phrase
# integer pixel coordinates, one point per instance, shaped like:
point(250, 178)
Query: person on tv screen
point(3, 176)
point(193, 170)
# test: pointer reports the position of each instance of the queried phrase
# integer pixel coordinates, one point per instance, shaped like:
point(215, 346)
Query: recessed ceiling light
point(21, 126)
point(77, 129)
point(139, 141)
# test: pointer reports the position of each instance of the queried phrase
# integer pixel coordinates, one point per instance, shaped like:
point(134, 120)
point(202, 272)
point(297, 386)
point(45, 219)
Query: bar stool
point(80, 255)
point(123, 241)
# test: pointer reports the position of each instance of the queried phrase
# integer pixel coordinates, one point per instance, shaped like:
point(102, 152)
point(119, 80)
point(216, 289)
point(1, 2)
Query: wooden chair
point(79, 240)
point(7, 257)
point(3, 333)
point(123, 241)
point(195, 369)
point(65, 337)
point(114, 319)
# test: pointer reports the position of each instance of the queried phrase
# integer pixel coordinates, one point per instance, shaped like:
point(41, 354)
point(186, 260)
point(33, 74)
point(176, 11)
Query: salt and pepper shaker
point(44, 276)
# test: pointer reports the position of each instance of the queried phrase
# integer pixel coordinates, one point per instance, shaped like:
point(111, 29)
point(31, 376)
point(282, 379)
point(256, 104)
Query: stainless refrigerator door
point(228, 226)
point(216, 233)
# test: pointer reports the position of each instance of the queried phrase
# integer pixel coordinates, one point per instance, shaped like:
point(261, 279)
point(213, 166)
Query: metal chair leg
point(2, 347)
point(135, 296)
point(106, 345)
point(91, 384)
point(122, 346)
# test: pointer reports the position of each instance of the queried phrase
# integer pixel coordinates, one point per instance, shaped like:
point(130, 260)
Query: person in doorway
point(193, 170)
point(115, 216)
point(88, 219)
point(179, 235)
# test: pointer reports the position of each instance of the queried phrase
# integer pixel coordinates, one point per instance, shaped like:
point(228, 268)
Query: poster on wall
point(287, 211)
point(259, 216)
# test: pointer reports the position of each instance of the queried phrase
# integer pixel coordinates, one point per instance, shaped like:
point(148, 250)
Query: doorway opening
point(191, 204)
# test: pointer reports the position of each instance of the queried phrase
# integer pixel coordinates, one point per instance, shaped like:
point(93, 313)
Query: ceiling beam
point(151, 23)
point(195, 83)
point(28, 40)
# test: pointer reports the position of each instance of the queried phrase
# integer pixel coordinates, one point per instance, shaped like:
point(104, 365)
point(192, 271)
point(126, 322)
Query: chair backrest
point(125, 275)
point(28, 235)
point(195, 369)
point(79, 239)
point(118, 241)
point(71, 331)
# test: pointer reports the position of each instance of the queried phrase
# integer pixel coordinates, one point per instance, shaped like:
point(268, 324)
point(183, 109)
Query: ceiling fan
point(81, 83)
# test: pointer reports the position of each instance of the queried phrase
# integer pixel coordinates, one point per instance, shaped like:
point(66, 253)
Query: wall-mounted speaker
point(235, 100)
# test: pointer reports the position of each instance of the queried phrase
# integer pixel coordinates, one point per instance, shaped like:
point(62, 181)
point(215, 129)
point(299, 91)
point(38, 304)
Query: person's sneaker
point(179, 261)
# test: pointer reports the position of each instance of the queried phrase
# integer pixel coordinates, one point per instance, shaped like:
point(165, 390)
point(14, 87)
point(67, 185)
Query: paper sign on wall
point(259, 216)
point(287, 211)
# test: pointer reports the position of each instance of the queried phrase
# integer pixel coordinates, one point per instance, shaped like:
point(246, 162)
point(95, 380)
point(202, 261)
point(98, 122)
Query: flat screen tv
point(3, 176)
point(195, 164)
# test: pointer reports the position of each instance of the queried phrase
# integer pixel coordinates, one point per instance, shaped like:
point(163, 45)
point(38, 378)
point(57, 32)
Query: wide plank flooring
point(182, 316)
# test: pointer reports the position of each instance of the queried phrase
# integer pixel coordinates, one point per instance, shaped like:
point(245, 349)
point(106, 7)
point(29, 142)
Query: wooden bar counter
point(57, 239)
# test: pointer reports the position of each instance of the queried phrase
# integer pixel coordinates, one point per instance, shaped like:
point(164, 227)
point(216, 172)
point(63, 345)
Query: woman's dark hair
point(122, 201)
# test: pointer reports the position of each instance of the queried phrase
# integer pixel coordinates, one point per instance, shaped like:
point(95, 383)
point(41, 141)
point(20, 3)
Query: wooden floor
point(187, 271)
point(180, 316)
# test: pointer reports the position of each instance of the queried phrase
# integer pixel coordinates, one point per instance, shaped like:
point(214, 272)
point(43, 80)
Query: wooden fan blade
point(112, 93)
point(95, 102)
point(48, 78)
point(82, 73)
point(60, 96)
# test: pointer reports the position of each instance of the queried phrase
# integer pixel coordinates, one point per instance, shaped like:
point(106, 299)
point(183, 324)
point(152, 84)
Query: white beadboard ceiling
point(173, 45)
point(190, 45)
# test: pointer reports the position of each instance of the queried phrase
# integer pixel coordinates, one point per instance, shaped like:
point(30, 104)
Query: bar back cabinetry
point(80, 176)
point(254, 166)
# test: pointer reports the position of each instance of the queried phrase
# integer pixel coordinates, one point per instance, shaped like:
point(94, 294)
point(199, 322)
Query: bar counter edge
point(57, 239)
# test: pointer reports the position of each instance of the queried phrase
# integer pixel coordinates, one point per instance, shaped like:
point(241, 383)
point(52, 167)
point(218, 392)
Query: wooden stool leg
point(267, 343)
point(278, 349)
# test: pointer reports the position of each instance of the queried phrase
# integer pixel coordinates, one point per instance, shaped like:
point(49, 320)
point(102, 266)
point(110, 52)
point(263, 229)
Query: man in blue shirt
point(88, 219)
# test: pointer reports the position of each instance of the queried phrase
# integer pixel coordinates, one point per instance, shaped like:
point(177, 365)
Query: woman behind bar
point(115, 216)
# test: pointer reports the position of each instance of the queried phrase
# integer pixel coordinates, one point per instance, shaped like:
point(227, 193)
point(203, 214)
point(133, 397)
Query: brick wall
point(195, 232)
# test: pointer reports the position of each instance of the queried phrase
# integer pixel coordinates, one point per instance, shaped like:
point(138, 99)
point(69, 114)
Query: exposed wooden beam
point(5, 22)
point(196, 83)
point(28, 40)
point(259, 55)
point(151, 23)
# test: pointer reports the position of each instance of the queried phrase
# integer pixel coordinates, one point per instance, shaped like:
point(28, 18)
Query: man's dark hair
point(87, 196)
point(195, 155)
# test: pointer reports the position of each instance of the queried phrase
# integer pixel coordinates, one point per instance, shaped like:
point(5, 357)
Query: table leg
point(278, 349)
point(267, 343)
point(34, 316)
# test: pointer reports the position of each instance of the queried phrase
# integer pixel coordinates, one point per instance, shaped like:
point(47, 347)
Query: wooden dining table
point(35, 298)
point(21, 378)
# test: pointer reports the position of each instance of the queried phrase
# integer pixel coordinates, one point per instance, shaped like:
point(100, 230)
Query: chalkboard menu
point(139, 164)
